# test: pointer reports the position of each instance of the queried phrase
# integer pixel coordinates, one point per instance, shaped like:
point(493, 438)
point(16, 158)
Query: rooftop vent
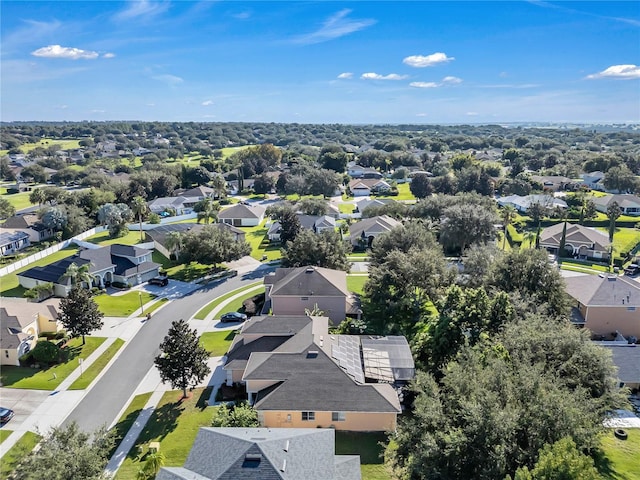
point(286, 447)
point(252, 460)
point(284, 466)
point(312, 354)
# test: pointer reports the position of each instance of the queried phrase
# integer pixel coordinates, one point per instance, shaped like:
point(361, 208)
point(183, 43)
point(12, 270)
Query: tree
point(207, 210)
point(290, 226)
point(78, 274)
point(620, 179)
point(239, 415)
point(613, 213)
point(46, 352)
point(323, 182)
point(115, 216)
point(508, 214)
point(152, 465)
point(139, 208)
point(174, 242)
point(35, 173)
point(6, 209)
point(537, 212)
point(67, 453)
point(313, 206)
point(462, 226)
point(182, 361)
point(588, 211)
point(79, 313)
point(36, 196)
point(325, 249)
point(333, 157)
point(563, 240)
point(421, 186)
point(54, 218)
point(263, 184)
point(212, 245)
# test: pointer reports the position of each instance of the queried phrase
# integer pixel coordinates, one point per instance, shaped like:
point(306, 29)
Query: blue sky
point(321, 62)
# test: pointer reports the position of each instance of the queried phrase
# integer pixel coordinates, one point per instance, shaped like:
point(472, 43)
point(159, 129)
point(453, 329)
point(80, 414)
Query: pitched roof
point(379, 224)
point(128, 250)
point(303, 281)
point(576, 234)
point(265, 454)
point(200, 191)
point(366, 183)
point(627, 359)
point(625, 200)
point(15, 314)
point(26, 220)
point(10, 237)
point(311, 381)
point(240, 210)
point(159, 233)
point(604, 290)
point(374, 202)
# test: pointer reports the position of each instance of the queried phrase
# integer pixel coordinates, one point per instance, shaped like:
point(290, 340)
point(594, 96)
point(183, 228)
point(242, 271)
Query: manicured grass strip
point(153, 307)
point(96, 367)
point(367, 445)
point(129, 417)
point(236, 305)
point(31, 378)
point(131, 238)
point(355, 283)
point(619, 459)
point(174, 424)
point(4, 434)
point(404, 193)
point(9, 286)
point(202, 314)
point(17, 453)
point(121, 305)
point(217, 343)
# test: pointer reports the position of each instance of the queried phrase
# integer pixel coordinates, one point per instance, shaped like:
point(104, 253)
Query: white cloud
point(421, 114)
point(206, 103)
point(346, 75)
point(98, 111)
point(625, 72)
point(424, 84)
point(421, 61)
point(335, 26)
point(108, 55)
point(170, 80)
point(142, 9)
point(57, 51)
point(451, 80)
point(377, 76)
point(472, 114)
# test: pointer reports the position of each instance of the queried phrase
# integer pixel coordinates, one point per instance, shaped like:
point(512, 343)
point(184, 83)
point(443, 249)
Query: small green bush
point(46, 352)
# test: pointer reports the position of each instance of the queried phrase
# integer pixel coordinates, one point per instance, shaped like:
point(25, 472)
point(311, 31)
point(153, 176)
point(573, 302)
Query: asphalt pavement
point(106, 398)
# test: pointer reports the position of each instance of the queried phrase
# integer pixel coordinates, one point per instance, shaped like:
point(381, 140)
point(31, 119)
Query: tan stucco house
point(363, 233)
point(241, 215)
point(580, 241)
point(21, 323)
point(606, 304)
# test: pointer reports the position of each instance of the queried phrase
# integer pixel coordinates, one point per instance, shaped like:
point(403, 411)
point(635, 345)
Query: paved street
point(104, 401)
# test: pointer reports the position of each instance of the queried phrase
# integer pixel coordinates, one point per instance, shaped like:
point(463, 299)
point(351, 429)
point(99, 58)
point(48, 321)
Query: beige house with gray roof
point(580, 241)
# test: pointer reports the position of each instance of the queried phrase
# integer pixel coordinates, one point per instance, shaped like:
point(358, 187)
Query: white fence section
point(164, 221)
point(48, 251)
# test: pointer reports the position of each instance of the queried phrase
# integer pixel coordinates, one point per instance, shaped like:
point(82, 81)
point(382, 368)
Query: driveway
point(22, 402)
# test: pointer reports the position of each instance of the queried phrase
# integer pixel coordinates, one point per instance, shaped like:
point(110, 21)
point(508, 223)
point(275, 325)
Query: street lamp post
point(141, 305)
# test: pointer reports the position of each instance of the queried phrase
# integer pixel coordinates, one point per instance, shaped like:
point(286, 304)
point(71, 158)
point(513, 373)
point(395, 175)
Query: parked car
point(162, 281)
point(632, 269)
point(6, 414)
point(233, 317)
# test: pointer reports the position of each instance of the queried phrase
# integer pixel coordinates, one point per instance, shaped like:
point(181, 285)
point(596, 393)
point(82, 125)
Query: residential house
point(522, 204)
point(180, 205)
point(606, 303)
point(358, 171)
point(368, 186)
point(264, 453)
point(364, 231)
point(159, 234)
point(30, 224)
point(593, 180)
point(113, 263)
point(201, 192)
point(374, 202)
point(12, 242)
point(296, 374)
point(580, 241)
point(289, 291)
point(21, 323)
point(628, 203)
point(626, 356)
point(241, 215)
point(314, 223)
point(552, 183)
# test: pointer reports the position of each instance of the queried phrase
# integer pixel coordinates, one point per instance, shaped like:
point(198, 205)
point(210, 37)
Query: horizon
point(352, 63)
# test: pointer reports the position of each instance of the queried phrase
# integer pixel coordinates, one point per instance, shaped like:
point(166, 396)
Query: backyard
point(368, 446)
point(260, 245)
point(619, 459)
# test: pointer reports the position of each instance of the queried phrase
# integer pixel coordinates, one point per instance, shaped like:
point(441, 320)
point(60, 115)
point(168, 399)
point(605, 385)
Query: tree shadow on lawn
point(604, 466)
point(203, 399)
point(163, 421)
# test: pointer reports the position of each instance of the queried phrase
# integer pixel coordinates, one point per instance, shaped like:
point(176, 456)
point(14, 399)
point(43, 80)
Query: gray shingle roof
point(265, 454)
point(624, 200)
point(9, 237)
point(627, 359)
point(576, 235)
point(304, 281)
point(379, 224)
point(596, 290)
point(240, 210)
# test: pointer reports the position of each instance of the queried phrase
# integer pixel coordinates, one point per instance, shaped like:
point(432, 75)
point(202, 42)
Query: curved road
point(104, 401)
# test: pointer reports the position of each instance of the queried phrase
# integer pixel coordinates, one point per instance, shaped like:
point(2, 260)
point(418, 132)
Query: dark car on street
point(5, 414)
point(162, 281)
point(233, 317)
point(632, 269)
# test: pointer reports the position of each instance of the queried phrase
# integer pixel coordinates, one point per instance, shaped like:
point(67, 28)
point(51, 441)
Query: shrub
point(120, 285)
point(46, 352)
point(154, 218)
point(40, 292)
point(513, 235)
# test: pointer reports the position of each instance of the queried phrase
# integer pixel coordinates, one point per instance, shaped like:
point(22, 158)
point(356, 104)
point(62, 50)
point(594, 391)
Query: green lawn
point(129, 417)
point(31, 378)
point(404, 193)
point(202, 313)
point(260, 245)
point(20, 450)
point(122, 305)
point(236, 305)
point(4, 434)
point(367, 445)
point(346, 207)
point(47, 142)
point(18, 200)
point(217, 343)
point(355, 283)
point(175, 425)
point(9, 286)
point(96, 367)
point(131, 238)
point(619, 460)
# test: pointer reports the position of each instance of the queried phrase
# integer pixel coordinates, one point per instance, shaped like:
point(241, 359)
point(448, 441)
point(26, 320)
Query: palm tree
point(139, 207)
point(155, 461)
point(530, 236)
point(207, 210)
point(173, 243)
point(78, 274)
point(219, 185)
point(37, 196)
point(508, 214)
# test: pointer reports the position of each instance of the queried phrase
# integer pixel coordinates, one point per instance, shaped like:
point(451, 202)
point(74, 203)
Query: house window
point(6, 353)
point(338, 416)
point(631, 309)
point(308, 416)
point(302, 299)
